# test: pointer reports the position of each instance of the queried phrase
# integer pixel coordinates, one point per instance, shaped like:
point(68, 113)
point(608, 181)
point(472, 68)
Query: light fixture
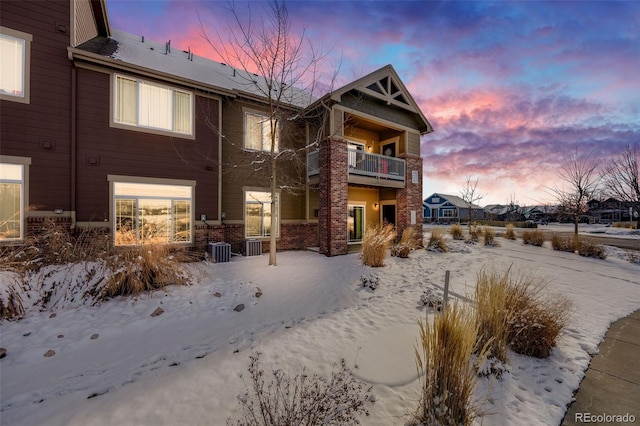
point(375, 205)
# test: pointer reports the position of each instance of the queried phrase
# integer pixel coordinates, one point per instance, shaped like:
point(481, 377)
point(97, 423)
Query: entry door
point(389, 214)
point(355, 223)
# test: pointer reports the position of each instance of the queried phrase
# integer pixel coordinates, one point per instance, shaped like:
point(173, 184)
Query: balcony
point(366, 168)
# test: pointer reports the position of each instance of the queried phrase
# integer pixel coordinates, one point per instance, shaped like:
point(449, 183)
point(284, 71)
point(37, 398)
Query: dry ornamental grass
point(436, 241)
point(375, 243)
point(534, 238)
point(456, 232)
point(510, 233)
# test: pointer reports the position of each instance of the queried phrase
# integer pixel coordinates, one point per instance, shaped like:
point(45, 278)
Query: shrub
point(634, 257)
point(375, 243)
point(474, 234)
point(492, 316)
point(534, 238)
point(303, 399)
point(446, 376)
point(489, 237)
point(10, 300)
point(406, 244)
point(134, 270)
point(510, 234)
point(456, 232)
point(537, 318)
point(436, 241)
point(588, 249)
point(632, 225)
point(563, 244)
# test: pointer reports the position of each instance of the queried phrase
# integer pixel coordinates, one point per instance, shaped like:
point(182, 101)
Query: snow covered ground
point(117, 365)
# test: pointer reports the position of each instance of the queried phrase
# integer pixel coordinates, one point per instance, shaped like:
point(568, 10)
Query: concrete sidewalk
point(611, 386)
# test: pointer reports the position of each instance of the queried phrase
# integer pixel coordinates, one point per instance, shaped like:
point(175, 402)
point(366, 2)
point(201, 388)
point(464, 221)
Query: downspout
point(73, 146)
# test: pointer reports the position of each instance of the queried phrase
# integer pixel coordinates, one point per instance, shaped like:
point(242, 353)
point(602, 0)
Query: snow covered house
point(444, 208)
point(152, 144)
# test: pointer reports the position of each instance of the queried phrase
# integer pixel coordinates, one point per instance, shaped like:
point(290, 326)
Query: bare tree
point(620, 178)
point(470, 195)
point(580, 180)
point(279, 67)
point(513, 206)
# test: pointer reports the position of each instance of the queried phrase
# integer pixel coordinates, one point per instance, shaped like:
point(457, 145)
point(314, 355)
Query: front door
point(389, 214)
point(355, 223)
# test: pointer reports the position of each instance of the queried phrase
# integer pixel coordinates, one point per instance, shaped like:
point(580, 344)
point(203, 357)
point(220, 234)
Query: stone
point(258, 292)
point(53, 315)
point(157, 312)
point(95, 336)
point(49, 353)
point(60, 336)
point(3, 353)
point(216, 294)
point(239, 308)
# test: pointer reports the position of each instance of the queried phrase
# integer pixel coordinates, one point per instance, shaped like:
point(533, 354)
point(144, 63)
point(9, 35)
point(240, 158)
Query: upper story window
point(15, 51)
point(152, 107)
point(258, 131)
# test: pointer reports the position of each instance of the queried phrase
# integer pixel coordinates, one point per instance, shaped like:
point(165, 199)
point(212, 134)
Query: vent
point(253, 248)
point(219, 252)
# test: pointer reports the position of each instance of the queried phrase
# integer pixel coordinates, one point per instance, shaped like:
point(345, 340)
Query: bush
point(375, 243)
point(492, 317)
point(537, 318)
point(563, 244)
point(534, 238)
point(406, 244)
point(474, 234)
point(456, 232)
point(489, 237)
point(10, 300)
point(632, 225)
point(303, 399)
point(436, 241)
point(134, 270)
point(446, 376)
point(588, 249)
point(510, 234)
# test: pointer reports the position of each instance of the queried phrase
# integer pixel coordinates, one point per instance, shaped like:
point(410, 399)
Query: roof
point(454, 200)
point(164, 59)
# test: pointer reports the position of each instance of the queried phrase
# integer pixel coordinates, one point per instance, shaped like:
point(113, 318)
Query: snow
point(184, 366)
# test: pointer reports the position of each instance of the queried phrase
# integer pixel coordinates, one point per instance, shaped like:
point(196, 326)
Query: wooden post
point(446, 290)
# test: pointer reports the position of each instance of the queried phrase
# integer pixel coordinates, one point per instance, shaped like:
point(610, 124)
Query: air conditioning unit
point(253, 248)
point(219, 252)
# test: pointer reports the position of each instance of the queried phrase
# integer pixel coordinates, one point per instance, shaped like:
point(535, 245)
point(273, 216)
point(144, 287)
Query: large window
point(146, 213)
point(152, 106)
point(15, 47)
point(259, 208)
point(258, 131)
point(11, 201)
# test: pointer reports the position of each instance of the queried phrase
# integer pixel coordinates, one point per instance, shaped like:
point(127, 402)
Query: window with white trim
point(15, 51)
point(259, 208)
point(11, 202)
point(258, 132)
point(146, 213)
point(448, 213)
point(148, 105)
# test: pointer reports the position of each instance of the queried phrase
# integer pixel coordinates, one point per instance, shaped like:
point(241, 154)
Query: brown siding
point(133, 153)
point(84, 22)
point(414, 144)
point(46, 120)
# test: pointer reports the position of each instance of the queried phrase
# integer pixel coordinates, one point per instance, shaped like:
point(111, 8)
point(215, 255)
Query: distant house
point(502, 212)
point(443, 208)
point(609, 210)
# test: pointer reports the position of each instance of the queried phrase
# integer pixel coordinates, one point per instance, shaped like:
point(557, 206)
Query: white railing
point(364, 164)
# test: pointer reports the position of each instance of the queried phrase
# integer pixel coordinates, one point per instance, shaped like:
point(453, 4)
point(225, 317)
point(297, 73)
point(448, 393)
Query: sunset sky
point(511, 88)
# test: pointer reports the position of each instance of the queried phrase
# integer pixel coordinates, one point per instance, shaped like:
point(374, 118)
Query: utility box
point(253, 248)
point(219, 252)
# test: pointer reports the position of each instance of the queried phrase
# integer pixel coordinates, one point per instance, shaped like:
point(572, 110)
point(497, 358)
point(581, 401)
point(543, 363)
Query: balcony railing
point(364, 164)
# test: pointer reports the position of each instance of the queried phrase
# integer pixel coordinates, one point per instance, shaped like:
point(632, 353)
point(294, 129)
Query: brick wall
point(333, 187)
point(410, 198)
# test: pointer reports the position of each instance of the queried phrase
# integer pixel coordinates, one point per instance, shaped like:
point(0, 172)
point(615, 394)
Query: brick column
point(333, 188)
point(410, 198)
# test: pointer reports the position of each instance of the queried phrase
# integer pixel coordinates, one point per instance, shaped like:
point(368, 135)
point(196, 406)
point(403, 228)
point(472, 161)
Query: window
point(258, 208)
point(11, 201)
point(152, 106)
point(15, 51)
point(257, 132)
point(147, 213)
point(448, 213)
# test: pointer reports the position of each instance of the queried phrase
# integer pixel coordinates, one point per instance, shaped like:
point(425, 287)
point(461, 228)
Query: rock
point(27, 334)
point(239, 308)
point(216, 294)
point(258, 292)
point(95, 336)
point(53, 315)
point(3, 353)
point(49, 353)
point(157, 312)
point(60, 336)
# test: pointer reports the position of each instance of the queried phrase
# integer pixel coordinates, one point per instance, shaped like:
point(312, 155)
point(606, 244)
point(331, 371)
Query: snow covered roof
point(453, 199)
point(164, 59)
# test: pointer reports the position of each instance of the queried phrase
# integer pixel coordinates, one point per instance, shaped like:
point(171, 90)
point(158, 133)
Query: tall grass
point(456, 232)
point(406, 244)
point(560, 243)
point(375, 243)
point(474, 234)
point(589, 249)
point(447, 379)
point(510, 234)
point(436, 241)
point(489, 236)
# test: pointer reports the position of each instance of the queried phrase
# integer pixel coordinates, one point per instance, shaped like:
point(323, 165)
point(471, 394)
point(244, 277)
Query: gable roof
point(383, 84)
point(452, 199)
